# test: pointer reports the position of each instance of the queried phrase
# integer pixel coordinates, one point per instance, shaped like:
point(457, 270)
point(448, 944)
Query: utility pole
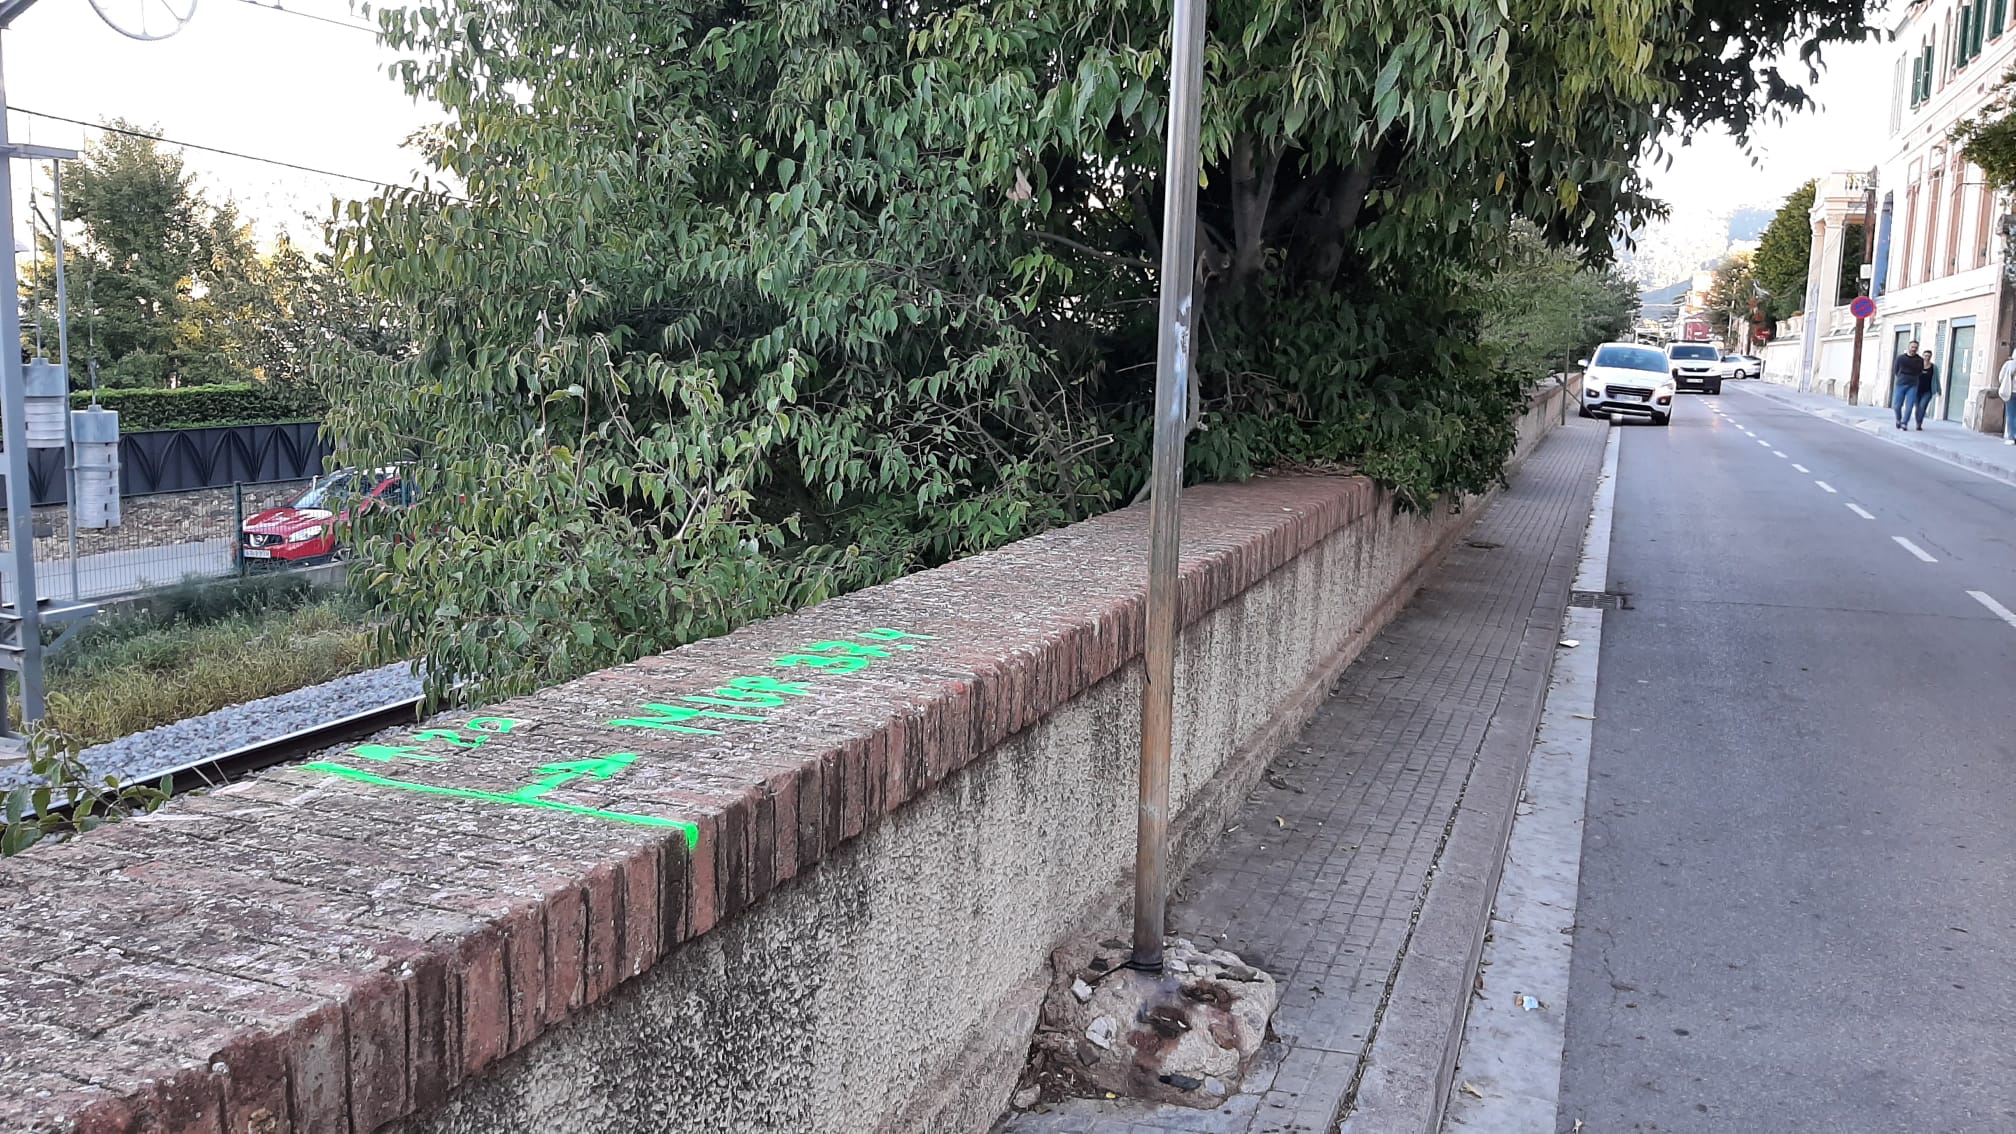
point(21, 621)
point(1173, 352)
point(1863, 285)
point(22, 645)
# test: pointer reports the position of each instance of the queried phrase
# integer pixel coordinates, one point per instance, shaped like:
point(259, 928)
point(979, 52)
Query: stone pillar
point(1816, 312)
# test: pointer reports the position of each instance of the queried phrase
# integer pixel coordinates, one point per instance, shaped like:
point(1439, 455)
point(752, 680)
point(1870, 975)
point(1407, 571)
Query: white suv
point(1628, 379)
point(1696, 366)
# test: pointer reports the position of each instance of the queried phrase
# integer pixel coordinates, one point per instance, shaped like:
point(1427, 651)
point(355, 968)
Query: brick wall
point(802, 877)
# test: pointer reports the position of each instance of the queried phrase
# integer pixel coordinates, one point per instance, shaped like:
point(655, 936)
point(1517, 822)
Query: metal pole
point(63, 360)
point(1567, 360)
point(13, 405)
point(238, 527)
point(1863, 287)
point(1172, 382)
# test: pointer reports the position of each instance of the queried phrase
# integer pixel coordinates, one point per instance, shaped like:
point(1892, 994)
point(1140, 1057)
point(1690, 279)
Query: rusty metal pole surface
point(1863, 287)
point(1172, 399)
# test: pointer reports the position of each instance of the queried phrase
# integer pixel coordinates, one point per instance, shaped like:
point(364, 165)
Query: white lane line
point(1779, 453)
point(1800, 467)
point(1861, 511)
point(1824, 485)
point(1889, 438)
point(1913, 549)
point(1764, 443)
point(2001, 612)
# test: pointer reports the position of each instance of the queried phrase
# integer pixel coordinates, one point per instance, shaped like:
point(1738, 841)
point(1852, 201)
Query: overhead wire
point(130, 133)
point(274, 6)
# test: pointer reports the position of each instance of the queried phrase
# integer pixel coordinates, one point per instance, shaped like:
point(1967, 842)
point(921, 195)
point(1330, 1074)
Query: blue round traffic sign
point(1863, 307)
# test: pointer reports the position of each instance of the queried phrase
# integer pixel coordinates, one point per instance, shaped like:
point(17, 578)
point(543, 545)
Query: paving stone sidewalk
point(1321, 876)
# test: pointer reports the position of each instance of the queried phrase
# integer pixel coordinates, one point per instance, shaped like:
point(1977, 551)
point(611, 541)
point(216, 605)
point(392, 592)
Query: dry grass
point(140, 672)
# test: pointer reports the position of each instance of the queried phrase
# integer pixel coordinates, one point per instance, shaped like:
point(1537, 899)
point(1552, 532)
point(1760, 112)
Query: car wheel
point(1715, 389)
point(1584, 411)
point(1658, 419)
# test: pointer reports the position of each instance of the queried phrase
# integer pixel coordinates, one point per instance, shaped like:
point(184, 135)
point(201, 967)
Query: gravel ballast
point(144, 756)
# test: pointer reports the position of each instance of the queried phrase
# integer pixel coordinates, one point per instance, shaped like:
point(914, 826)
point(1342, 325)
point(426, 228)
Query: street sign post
point(1863, 307)
point(1173, 353)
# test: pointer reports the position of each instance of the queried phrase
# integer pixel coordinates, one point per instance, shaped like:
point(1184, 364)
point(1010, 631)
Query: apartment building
point(1941, 270)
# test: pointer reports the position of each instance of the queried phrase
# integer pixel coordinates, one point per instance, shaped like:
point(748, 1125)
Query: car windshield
point(328, 493)
point(1695, 352)
point(1630, 358)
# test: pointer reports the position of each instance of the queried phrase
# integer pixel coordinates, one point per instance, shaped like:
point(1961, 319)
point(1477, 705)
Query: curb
point(1410, 1059)
point(1968, 461)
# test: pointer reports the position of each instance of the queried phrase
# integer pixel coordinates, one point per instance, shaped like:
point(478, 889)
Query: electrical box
point(48, 399)
point(96, 433)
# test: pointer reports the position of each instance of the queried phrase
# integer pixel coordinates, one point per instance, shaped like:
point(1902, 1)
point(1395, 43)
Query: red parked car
point(306, 529)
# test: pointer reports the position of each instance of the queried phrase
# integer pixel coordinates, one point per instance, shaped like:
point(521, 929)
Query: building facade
point(1940, 274)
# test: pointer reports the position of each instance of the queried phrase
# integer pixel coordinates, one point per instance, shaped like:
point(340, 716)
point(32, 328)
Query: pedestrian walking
point(1904, 375)
point(1928, 389)
point(2006, 390)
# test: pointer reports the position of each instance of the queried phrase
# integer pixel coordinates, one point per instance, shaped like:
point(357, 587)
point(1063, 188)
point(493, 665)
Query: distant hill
point(1749, 224)
point(1671, 293)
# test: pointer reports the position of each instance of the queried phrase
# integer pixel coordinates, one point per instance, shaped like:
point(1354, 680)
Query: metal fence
point(163, 538)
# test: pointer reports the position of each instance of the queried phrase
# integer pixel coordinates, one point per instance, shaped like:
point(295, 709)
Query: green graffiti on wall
point(738, 700)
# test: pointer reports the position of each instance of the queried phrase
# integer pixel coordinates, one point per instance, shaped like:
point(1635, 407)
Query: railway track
point(237, 763)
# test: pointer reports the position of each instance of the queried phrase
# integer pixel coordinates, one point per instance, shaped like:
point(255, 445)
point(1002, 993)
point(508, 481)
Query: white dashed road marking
point(1861, 511)
point(1764, 443)
point(1914, 549)
point(1800, 467)
point(1823, 484)
point(2001, 612)
point(1779, 453)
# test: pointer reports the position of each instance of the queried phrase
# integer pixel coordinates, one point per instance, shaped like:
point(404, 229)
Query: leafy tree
point(1543, 309)
point(1848, 281)
point(169, 289)
point(1988, 139)
point(149, 244)
point(1783, 252)
point(1732, 297)
point(743, 304)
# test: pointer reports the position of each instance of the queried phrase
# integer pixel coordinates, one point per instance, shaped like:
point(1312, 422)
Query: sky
point(1846, 131)
point(239, 76)
point(281, 85)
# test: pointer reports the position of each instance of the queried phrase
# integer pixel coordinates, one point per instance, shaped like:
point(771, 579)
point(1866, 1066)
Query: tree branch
point(1115, 257)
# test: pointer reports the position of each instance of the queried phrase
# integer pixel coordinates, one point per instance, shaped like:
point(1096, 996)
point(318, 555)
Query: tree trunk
point(1252, 191)
point(1340, 216)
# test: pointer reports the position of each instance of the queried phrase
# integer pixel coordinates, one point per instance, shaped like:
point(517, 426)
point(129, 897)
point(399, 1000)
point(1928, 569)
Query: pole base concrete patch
point(1186, 1035)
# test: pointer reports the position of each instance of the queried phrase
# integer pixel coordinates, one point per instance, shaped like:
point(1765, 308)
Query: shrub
point(194, 407)
point(142, 670)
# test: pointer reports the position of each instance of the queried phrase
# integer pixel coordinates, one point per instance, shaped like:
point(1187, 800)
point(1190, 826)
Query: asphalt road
point(1798, 896)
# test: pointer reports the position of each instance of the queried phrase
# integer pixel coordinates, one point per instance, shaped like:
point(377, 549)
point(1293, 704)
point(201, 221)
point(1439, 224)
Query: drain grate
point(1601, 600)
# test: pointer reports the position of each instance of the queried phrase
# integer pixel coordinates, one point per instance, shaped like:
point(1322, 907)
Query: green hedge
point(195, 407)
